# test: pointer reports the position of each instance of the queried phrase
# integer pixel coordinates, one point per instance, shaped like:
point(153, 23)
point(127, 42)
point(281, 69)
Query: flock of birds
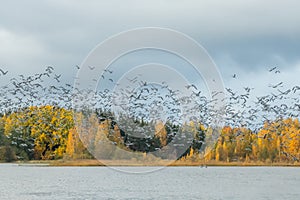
point(281, 102)
point(147, 102)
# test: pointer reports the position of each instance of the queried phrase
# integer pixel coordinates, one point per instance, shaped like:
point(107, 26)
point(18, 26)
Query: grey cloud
point(251, 33)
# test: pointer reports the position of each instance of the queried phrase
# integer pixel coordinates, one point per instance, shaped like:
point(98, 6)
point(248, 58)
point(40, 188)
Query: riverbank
point(96, 163)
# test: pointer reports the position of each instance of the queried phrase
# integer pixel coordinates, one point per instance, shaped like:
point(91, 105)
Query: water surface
point(37, 182)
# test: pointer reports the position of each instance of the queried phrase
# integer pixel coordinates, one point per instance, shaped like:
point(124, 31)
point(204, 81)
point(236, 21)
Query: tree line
point(50, 133)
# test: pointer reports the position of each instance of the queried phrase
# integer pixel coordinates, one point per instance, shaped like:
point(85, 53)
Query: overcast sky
point(244, 37)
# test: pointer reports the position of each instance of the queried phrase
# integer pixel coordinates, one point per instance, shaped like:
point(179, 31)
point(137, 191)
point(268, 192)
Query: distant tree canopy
point(277, 141)
point(49, 132)
point(39, 132)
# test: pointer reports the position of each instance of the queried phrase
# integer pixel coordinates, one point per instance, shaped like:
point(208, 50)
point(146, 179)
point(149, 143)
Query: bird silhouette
point(272, 69)
point(3, 72)
point(91, 68)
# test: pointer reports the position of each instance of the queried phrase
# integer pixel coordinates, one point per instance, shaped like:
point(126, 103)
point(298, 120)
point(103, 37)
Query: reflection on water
point(40, 182)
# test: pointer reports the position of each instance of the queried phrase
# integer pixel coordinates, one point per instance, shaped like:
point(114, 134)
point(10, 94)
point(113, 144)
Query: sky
point(245, 38)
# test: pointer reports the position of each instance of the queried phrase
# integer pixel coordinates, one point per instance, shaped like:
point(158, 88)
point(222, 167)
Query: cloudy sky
point(242, 37)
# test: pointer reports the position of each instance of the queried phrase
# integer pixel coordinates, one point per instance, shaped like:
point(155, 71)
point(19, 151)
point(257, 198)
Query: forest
point(49, 133)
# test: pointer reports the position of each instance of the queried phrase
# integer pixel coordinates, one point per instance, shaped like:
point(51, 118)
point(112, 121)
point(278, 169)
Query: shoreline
point(134, 163)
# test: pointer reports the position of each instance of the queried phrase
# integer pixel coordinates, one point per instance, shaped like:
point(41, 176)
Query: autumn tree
point(40, 132)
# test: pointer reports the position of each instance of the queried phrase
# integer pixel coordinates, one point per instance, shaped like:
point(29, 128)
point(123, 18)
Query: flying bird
point(57, 77)
point(272, 69)
point(192, 85)
point(3, 72)
point(277, 85)
point(106, 70)
point(91, 68)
